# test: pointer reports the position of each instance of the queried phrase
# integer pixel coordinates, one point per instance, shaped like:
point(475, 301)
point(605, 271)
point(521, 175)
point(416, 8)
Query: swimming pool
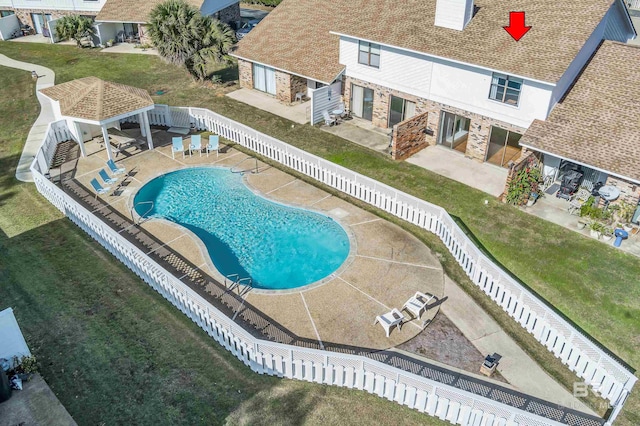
point(278, 246)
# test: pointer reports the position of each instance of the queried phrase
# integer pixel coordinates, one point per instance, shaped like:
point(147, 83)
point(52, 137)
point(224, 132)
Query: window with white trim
point(369, 54)
point(505, 89)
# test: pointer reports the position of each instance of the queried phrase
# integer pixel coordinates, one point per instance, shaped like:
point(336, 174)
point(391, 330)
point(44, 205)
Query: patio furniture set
point(333, 118)
point(195, 144)
point(106, 179)
point(417, 304)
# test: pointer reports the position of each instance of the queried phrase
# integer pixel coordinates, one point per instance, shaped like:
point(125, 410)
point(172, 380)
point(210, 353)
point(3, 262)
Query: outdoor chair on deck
point(106, 178)
point(390, 319)
point(98, 188)
point(176, 146)
point(213, 145)
point(329, 120)
point(195, 145)
point(115, 169)
point(417, 304)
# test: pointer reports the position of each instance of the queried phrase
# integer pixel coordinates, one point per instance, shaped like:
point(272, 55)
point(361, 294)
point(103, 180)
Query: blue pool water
point(278, 246)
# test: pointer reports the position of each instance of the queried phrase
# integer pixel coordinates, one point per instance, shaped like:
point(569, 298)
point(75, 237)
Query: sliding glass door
point(454, 131)
point(400, 110)
point(264, 79)
point(362, 102)
point(503, 147)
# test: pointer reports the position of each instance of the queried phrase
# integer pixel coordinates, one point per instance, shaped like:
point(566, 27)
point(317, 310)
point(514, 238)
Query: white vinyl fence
point(602, 372)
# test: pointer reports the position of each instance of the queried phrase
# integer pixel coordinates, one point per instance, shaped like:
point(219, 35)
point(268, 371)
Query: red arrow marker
point(516, 28)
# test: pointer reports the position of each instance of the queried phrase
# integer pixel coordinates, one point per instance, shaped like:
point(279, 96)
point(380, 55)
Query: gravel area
point(442, 341)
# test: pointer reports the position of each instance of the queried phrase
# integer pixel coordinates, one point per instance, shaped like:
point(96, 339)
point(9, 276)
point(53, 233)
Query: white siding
point(399, 70)
point(457, 85)
point(80, 5)
point(468, 88)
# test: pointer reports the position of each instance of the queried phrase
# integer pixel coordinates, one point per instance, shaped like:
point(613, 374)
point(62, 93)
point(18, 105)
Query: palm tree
point(184, 37)
point(74, 27)
point(216, 40)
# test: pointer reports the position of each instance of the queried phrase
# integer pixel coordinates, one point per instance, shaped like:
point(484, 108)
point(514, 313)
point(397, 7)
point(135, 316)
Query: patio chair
point(340, 111)
point(115, 169)
point(106, 178)
point(417, 304)
point(98, 188)
point(176, 146)
point(213, 145)
point(328, 120)
point(390, 319)
point(195, 145)
point(120, 36)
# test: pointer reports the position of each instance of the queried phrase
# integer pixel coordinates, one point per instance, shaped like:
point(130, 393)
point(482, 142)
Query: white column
point(143, 129)
point(147, 129)
point(107, 144)
point(80, 138)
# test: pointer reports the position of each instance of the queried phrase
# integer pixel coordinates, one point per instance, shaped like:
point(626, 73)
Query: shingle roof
point(93, 99)
point(294, 36)
point(597, 122)
point(133, 10)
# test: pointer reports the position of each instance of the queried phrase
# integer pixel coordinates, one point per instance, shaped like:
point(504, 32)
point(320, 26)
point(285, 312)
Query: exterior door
point(503, 147)
point(39, 21)
point(362, 102)
point(264, 79)
point(454, 131)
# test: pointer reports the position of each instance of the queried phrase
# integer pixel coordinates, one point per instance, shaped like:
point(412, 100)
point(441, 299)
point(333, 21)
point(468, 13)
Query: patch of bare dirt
point(442, 341)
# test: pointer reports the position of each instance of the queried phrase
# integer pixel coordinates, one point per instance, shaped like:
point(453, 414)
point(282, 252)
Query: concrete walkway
point(296, 112)
point(454, 165)
point(522, 372)
point(46, 78)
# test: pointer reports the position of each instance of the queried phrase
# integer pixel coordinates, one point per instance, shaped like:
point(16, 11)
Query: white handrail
point(599, 369)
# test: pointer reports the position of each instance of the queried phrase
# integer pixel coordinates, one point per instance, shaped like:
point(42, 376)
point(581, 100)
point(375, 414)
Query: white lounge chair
point(417, 304)
point(213, 145)
point(328, 120)
point(99, 188)
point(390, 319)
point(177, 146)
point(115, 169)
point(195, 145)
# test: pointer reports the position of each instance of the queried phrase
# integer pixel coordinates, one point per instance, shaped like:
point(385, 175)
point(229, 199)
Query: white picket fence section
point(602, 372)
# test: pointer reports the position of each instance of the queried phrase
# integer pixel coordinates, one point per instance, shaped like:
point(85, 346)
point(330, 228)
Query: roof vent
point(454, 14)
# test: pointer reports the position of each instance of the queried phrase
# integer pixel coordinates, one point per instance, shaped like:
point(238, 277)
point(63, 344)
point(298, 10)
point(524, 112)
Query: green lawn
point(113, 350)
point(562, 266)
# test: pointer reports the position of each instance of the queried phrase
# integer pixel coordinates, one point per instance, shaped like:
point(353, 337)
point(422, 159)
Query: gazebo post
point(107, 144)
point(143, 127)
point(147, 128)
point(80, 139)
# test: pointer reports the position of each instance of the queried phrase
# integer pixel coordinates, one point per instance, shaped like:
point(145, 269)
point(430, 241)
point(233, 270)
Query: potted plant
point(595, 229)
point(110, 42)
point(625, 213)
point(607, 234)
point(532, 199)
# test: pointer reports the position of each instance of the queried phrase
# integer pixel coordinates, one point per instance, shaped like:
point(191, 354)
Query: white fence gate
point(606, 376)
point(326, 98)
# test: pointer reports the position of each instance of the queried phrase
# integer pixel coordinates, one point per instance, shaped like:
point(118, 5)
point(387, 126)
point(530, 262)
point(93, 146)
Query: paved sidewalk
point(522, 372)
point(46, 78)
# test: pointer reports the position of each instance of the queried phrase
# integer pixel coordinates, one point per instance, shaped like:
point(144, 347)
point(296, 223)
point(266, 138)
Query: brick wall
point(527, 158)
point(629, 192)
point(409, 136)
point(479, 128)
point(287, 85)
point(245, 72)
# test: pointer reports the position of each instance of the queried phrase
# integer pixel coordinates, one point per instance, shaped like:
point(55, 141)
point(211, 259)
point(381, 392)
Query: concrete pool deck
point(386, 267)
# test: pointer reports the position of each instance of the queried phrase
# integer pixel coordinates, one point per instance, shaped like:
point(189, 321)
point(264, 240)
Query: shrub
point(74, 27)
